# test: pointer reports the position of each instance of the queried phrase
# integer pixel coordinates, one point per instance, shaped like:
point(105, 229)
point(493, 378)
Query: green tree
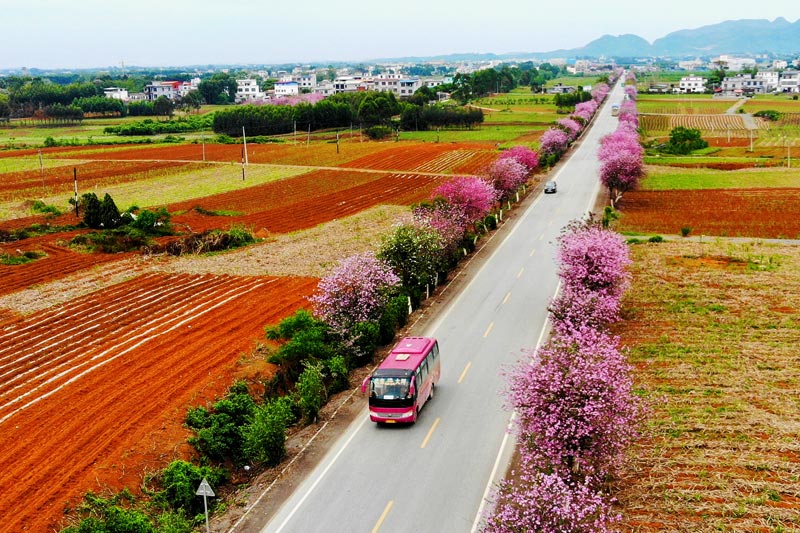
point(5, 107)
point(311, 391)
point(109, 214)
point(191, 101)
point(265, 436)
point(163, 107)
point(90, 204)
point(415, 254)
point(684, 140)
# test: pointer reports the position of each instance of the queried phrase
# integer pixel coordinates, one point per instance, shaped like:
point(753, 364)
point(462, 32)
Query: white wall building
point(770, 78)
point(789, 81)
point(247, 90)
point(117, 93)
point(742, 85)
point(692, 84)
point(287, 88)
point(157, 89)
point(325, 88)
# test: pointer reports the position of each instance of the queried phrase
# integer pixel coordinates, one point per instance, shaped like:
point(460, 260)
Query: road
point(434, 476)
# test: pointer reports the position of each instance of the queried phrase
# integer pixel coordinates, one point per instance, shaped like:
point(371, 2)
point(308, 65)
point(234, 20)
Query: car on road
point(550, 187)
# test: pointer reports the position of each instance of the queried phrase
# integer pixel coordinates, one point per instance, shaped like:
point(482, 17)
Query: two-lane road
point(433, 476)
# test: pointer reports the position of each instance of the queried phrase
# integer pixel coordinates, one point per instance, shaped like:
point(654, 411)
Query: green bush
point(180, 481)
point(769, 114)
point(378, 132)
point(685, 231)
point(41, 207)
point(683, 141)
point(393, 318)
point(219, 431)
point(265, 436)
point(113, 515)
point(366, 337)
point(306, 338)
point(336, 369)
point(656, 238)
point(311, 391)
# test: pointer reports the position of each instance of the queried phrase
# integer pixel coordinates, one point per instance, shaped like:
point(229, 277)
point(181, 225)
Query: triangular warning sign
point(204, 489)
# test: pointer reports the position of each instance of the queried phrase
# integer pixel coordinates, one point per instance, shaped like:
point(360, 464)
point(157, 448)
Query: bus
point(404, 381)
point(614, 110)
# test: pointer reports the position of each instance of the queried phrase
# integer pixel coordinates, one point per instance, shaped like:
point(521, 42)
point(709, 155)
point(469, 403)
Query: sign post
point(205, 491)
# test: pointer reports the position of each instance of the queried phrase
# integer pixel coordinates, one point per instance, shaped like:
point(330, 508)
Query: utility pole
point(244, 139)
point(75, 182)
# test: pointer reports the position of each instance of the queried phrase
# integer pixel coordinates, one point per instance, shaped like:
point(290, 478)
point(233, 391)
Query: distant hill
point(746, 36)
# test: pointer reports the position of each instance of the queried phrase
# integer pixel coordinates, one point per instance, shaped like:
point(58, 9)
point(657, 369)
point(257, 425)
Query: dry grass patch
point(311, 252)
point(713, 330)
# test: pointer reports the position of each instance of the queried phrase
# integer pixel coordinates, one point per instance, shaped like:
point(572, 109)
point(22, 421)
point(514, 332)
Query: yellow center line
point(541, 237)
point(383, 516)
point(488, 330)
point(505, 300)
point(430, 432)
point(532, 252)
point(464, 372)
point(519, 274)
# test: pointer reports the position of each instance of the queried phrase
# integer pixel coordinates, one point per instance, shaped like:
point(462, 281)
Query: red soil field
point(428, 157)
point(59, 262)
point(305, 201)
point(90, 175)
point(765, 213)
point(93, 390)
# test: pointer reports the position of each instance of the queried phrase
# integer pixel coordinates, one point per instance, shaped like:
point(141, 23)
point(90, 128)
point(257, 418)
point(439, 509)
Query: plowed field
point(431, 157)
point(305, 201)
point(60, 180)
point(58, 262)
point(91, 390)
point(765, 213)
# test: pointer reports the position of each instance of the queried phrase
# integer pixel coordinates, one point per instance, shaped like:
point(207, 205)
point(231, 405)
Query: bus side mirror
point(364, 384)
point(412, 389)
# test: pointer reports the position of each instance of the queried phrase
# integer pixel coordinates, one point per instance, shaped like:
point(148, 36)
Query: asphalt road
point(434, 476)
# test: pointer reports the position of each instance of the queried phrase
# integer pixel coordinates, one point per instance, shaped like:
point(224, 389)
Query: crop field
point(98, 382)
point(712, 331)
point(649, 104)
point(752, 212)
point(714, 125)
point(101, 354)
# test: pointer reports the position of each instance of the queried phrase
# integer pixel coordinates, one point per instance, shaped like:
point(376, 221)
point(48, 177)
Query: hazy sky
point(94, 33)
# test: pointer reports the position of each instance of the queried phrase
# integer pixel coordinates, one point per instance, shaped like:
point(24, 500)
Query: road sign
point(204, 489)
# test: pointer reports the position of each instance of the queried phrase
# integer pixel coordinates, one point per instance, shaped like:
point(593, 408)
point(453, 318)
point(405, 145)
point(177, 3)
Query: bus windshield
point(389, 388)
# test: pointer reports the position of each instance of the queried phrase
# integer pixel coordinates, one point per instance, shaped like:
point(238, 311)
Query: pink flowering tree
point(448, 220)
point(594, 258)
point(507, 175)
point(621, 174)
point(576, 405)
point(543, 502)
point(621, 140)
point(631, 91)
point(522, 155)
point(599, 92)
point(586, 110)
point(357, 290)
point(571, 127)
point(474, 196)
point(554, 142)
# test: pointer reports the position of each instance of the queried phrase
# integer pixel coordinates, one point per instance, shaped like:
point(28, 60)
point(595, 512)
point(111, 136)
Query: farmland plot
point(86, 388)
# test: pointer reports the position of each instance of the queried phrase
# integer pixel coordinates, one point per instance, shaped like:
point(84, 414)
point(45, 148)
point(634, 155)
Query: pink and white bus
point(404, 381)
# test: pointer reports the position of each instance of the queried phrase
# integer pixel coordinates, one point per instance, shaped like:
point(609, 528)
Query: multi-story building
point(117, 93)
point(247, 90)
point(692, 84)
point(770, 78)
point(789, 81)
point(287, 88)
point(742, 85)
point(157, 89)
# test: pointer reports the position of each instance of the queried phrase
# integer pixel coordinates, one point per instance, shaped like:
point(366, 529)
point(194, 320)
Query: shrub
point(109, 214)
point(41, 207)
point(684, 140)
point(115, 514)
point(311, 391)
point(685, 231)
point(90, 204)
point(305, 338)
point(656, 238)
point(218, 431)
point(394, 317)
point(180, 481)
point(265, 436)
point(414, 252)
point(336, 369)
point(378, 132)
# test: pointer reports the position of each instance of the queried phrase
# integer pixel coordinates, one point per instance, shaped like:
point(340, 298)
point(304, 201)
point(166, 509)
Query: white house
point(789, 81)
point(157, 89)
point(325, 88)
point(349, 84)
point(287, 88)
point(692, 84)
point(305, 82)
point(770, 78)
point(247, 90)
point(742, 85)
point(117, 93)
